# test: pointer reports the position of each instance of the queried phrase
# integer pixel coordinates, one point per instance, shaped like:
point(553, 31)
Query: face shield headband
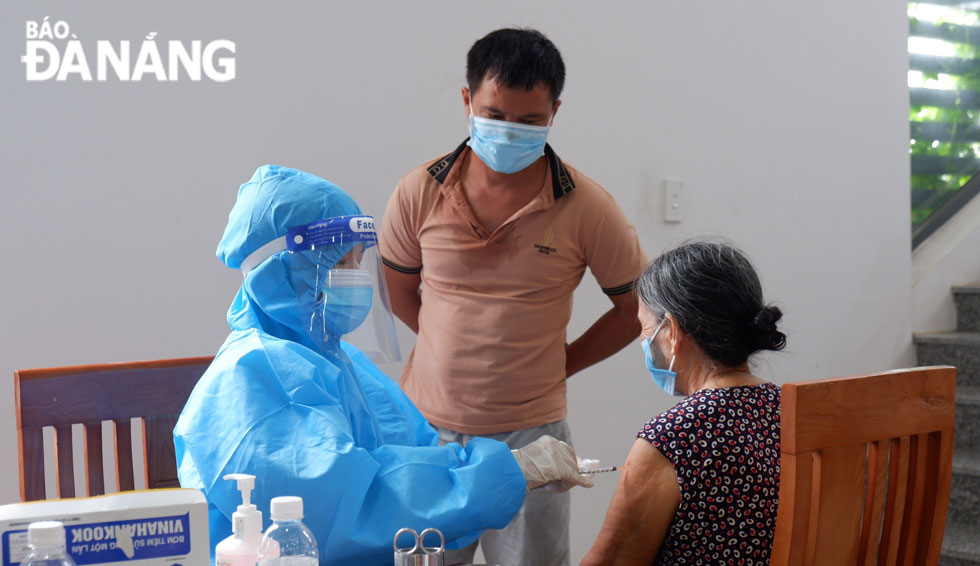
point(333, 231)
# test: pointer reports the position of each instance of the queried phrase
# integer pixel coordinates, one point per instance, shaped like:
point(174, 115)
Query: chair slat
point(936, 501)
point(874, 502)
point(110, 460)
point(840, 494)
point(124, 454)
point(796, 484)
point(143, 455)
point(918, 445)
point(898, 474)
point(64, 456)
point(94, 480)
point(813, 522)
point(31, 441)
point(160, 447)
point(805, 486)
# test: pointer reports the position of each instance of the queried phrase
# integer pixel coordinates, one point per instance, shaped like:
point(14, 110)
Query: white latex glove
point(549, 460)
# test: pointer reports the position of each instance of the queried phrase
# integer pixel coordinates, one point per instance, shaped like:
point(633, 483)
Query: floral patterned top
point(724, 444)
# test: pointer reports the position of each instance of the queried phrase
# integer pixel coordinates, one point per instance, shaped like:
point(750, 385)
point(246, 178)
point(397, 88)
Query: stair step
point(961, 545)
point(967, 299)
point(960, 349)
point(945, 560)
point(966, 462)
point(967, 433)
point(949, 338)
point(964, 491)
point(968, 395)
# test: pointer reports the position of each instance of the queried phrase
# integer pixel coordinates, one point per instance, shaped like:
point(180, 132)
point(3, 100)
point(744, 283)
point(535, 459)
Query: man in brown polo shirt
point(501, 231)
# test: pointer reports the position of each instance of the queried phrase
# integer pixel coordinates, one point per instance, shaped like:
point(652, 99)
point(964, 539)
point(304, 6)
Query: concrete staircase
point(961, 545)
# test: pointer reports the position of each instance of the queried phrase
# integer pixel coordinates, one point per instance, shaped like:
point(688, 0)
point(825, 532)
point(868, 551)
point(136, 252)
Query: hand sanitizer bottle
point(242, 547)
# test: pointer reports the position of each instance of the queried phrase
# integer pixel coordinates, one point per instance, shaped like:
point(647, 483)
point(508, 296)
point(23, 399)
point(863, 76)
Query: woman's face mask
point(664, 378)
point(343, 302)
point(335, 300)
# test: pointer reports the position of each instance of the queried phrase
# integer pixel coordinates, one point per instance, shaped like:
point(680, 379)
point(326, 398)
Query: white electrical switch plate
point(673, 201)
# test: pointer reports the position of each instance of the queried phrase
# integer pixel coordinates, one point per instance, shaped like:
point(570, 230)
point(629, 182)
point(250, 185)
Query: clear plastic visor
point(349, 298)
point(351, 302)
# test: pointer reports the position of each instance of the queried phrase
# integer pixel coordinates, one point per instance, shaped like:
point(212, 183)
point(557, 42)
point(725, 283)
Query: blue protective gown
point(322, 422)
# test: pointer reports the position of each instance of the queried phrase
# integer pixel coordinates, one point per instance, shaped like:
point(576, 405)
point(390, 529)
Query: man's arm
point(608, 335)
point(403, 289)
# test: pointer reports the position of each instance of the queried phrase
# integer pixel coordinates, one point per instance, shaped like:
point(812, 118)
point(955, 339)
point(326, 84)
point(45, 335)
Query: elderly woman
point(702, 479)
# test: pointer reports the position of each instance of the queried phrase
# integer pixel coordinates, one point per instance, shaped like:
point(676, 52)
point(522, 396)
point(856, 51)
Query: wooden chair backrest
point(866, 467)
point(88, 395)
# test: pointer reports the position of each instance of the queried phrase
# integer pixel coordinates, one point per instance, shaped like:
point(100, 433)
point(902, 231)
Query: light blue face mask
point(506, 147)
point(664, 378)
point(346, 309)
point(343, 302)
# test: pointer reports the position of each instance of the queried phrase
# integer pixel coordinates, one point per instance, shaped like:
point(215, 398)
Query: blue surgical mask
point(346, 309)
point(664, 378)
point(506, 147)
point(345, 302)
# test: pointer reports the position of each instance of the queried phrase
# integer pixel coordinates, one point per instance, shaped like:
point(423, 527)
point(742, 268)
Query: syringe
point(598, 470)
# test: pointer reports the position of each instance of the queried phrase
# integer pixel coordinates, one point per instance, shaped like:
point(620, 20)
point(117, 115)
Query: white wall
point(787, 123)
point(947, 258)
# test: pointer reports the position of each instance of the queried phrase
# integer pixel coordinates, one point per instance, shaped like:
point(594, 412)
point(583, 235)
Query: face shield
point(336, 273)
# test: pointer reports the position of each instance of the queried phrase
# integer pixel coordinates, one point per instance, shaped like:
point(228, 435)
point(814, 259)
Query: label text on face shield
point(331, 231)
point(362, 224)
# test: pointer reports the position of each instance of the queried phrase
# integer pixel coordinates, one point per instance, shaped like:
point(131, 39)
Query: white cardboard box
point(159, 527)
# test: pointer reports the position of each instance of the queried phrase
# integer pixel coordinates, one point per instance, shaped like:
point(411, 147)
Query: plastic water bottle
point(47, 545)
point(288, 542)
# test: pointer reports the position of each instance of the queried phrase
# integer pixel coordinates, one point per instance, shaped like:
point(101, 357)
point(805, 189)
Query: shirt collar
point(561, 181)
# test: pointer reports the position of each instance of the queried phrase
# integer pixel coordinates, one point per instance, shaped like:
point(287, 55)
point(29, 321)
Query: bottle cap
point(286, 508)
point(46, 533)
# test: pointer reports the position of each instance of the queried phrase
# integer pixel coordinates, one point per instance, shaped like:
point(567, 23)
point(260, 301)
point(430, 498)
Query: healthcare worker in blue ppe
point(311, 415)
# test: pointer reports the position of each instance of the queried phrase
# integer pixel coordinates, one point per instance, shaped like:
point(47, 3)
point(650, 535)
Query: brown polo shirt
point(490, 354)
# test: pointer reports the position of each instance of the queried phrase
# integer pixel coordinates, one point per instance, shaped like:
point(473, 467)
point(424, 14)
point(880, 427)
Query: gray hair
point(714, 293)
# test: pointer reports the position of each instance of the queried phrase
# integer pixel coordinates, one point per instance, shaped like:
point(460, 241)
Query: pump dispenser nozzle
point(246, 483)
point(247, 519)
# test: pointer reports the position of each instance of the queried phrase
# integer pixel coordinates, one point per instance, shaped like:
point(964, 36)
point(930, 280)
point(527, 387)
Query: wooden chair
point(866, 468)
point(60, 397)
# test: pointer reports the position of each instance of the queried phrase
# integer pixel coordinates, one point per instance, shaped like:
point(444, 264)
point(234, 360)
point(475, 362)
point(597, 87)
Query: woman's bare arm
point(640, 513)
